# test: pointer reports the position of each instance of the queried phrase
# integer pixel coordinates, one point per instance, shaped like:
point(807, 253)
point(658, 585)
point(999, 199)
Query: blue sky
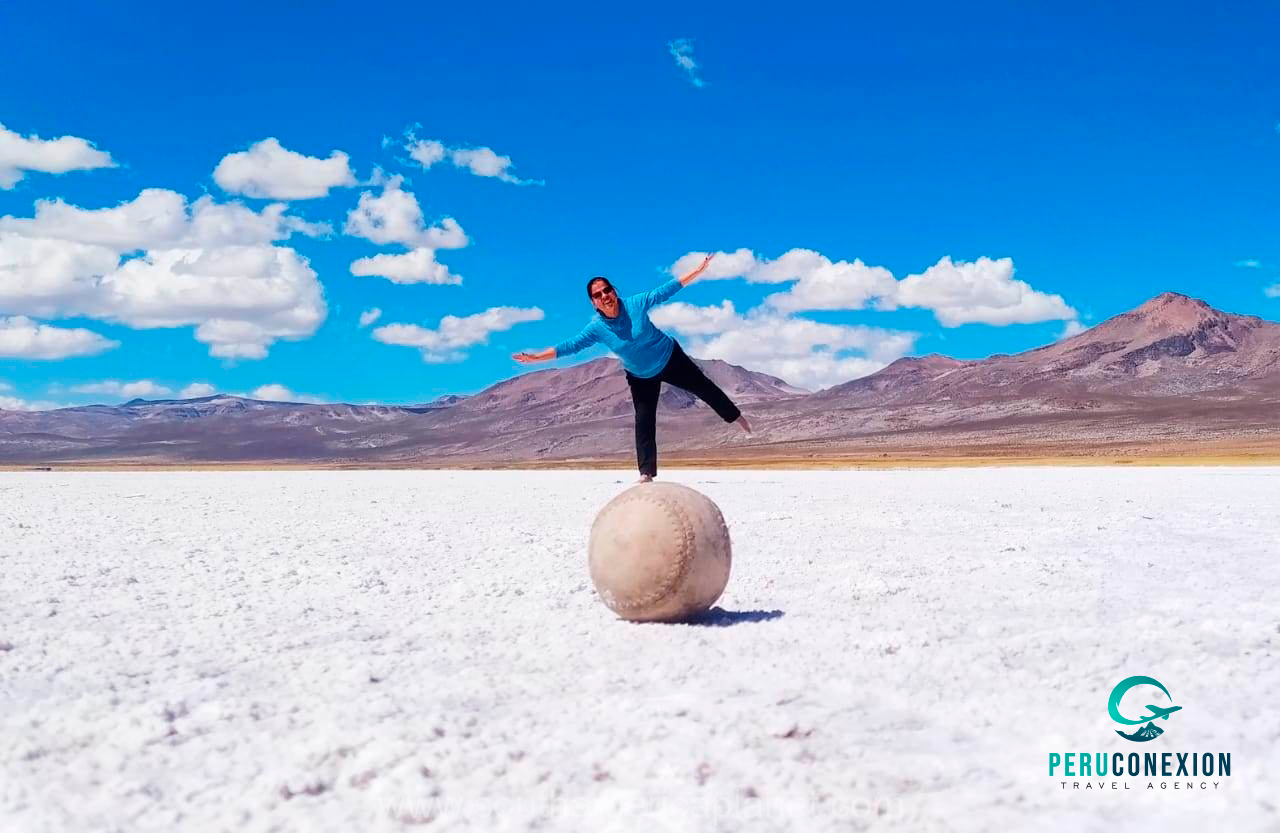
point(999, 172)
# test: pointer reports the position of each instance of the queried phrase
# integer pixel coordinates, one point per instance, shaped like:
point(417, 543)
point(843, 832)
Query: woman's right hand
point(546, 354)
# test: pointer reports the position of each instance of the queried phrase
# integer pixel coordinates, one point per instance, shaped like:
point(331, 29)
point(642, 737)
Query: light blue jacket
point(643, 348)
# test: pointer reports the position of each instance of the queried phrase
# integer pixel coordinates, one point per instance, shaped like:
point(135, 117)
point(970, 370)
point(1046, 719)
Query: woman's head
point(603, 296)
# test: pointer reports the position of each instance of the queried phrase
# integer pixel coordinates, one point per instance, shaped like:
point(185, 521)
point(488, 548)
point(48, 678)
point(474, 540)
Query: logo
point(1111, 770)
point(1149, 730)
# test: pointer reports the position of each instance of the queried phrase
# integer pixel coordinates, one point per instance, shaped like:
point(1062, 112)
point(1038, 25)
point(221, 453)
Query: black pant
point(683, 373)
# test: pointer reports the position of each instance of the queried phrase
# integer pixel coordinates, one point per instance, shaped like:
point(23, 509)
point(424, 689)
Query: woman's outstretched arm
point(663, 293)
point(578, 343)
point(689, 278)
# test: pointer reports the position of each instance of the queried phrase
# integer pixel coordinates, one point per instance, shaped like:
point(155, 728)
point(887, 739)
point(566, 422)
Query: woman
point(649, 355)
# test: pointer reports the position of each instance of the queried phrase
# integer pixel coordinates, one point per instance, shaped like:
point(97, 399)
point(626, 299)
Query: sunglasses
point(601, 293)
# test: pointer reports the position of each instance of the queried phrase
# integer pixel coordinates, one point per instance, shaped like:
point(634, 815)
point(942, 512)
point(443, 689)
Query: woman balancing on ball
point(649, 356)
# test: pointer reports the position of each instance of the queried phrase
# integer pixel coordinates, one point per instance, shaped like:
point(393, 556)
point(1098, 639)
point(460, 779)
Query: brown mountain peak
point(1166, 298)
point(1176, 310)
point(933, 361)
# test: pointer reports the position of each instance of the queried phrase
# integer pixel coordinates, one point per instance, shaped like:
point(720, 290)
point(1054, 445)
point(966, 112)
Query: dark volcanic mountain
point(1170, 373)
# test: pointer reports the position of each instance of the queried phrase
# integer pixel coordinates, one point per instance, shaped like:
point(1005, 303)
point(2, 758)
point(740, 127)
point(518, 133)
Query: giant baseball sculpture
point(659, 552)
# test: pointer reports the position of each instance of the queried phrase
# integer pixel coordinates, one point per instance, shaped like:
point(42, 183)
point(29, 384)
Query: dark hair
point(598, 278)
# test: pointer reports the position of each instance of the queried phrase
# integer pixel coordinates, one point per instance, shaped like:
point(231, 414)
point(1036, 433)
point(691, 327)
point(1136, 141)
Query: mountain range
point(1171, 375)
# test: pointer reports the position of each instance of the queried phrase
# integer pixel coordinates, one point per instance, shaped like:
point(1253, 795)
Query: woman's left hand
point(702, 267)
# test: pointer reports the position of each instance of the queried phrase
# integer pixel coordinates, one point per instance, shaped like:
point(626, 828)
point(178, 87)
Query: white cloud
point(1248, 264)
point(1071, 328)
point(141, 389)
point(806, 353)
point(485, 162)
point(1272, 291)
point(210, 266)
point(682, 50)
point(20, 154)
point(235, 224)
point(273, 393)
point(481, 161)
point(280, 393)
point(814, 354)
point(454, 334)
point(13, 403)
point(417, 266)
point(240, 299)
point(793, 265)
point(725, 265)
point(48, 278)
point(697, 321)
point(196, 390)
point(823, 285)
point(158, 218)
point(22, 338)
point(270, 171)
point(369, 316)
point(394, 216)
point(983, 291)
point(426, 152)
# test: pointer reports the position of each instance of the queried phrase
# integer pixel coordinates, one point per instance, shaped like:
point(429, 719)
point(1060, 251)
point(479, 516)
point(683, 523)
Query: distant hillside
point(1172, 371)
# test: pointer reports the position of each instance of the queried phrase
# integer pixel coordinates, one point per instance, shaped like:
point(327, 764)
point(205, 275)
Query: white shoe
point(645, 478)
point(743, 424)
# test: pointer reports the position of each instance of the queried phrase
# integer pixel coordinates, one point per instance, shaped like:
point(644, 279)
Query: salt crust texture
point(351, 651)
